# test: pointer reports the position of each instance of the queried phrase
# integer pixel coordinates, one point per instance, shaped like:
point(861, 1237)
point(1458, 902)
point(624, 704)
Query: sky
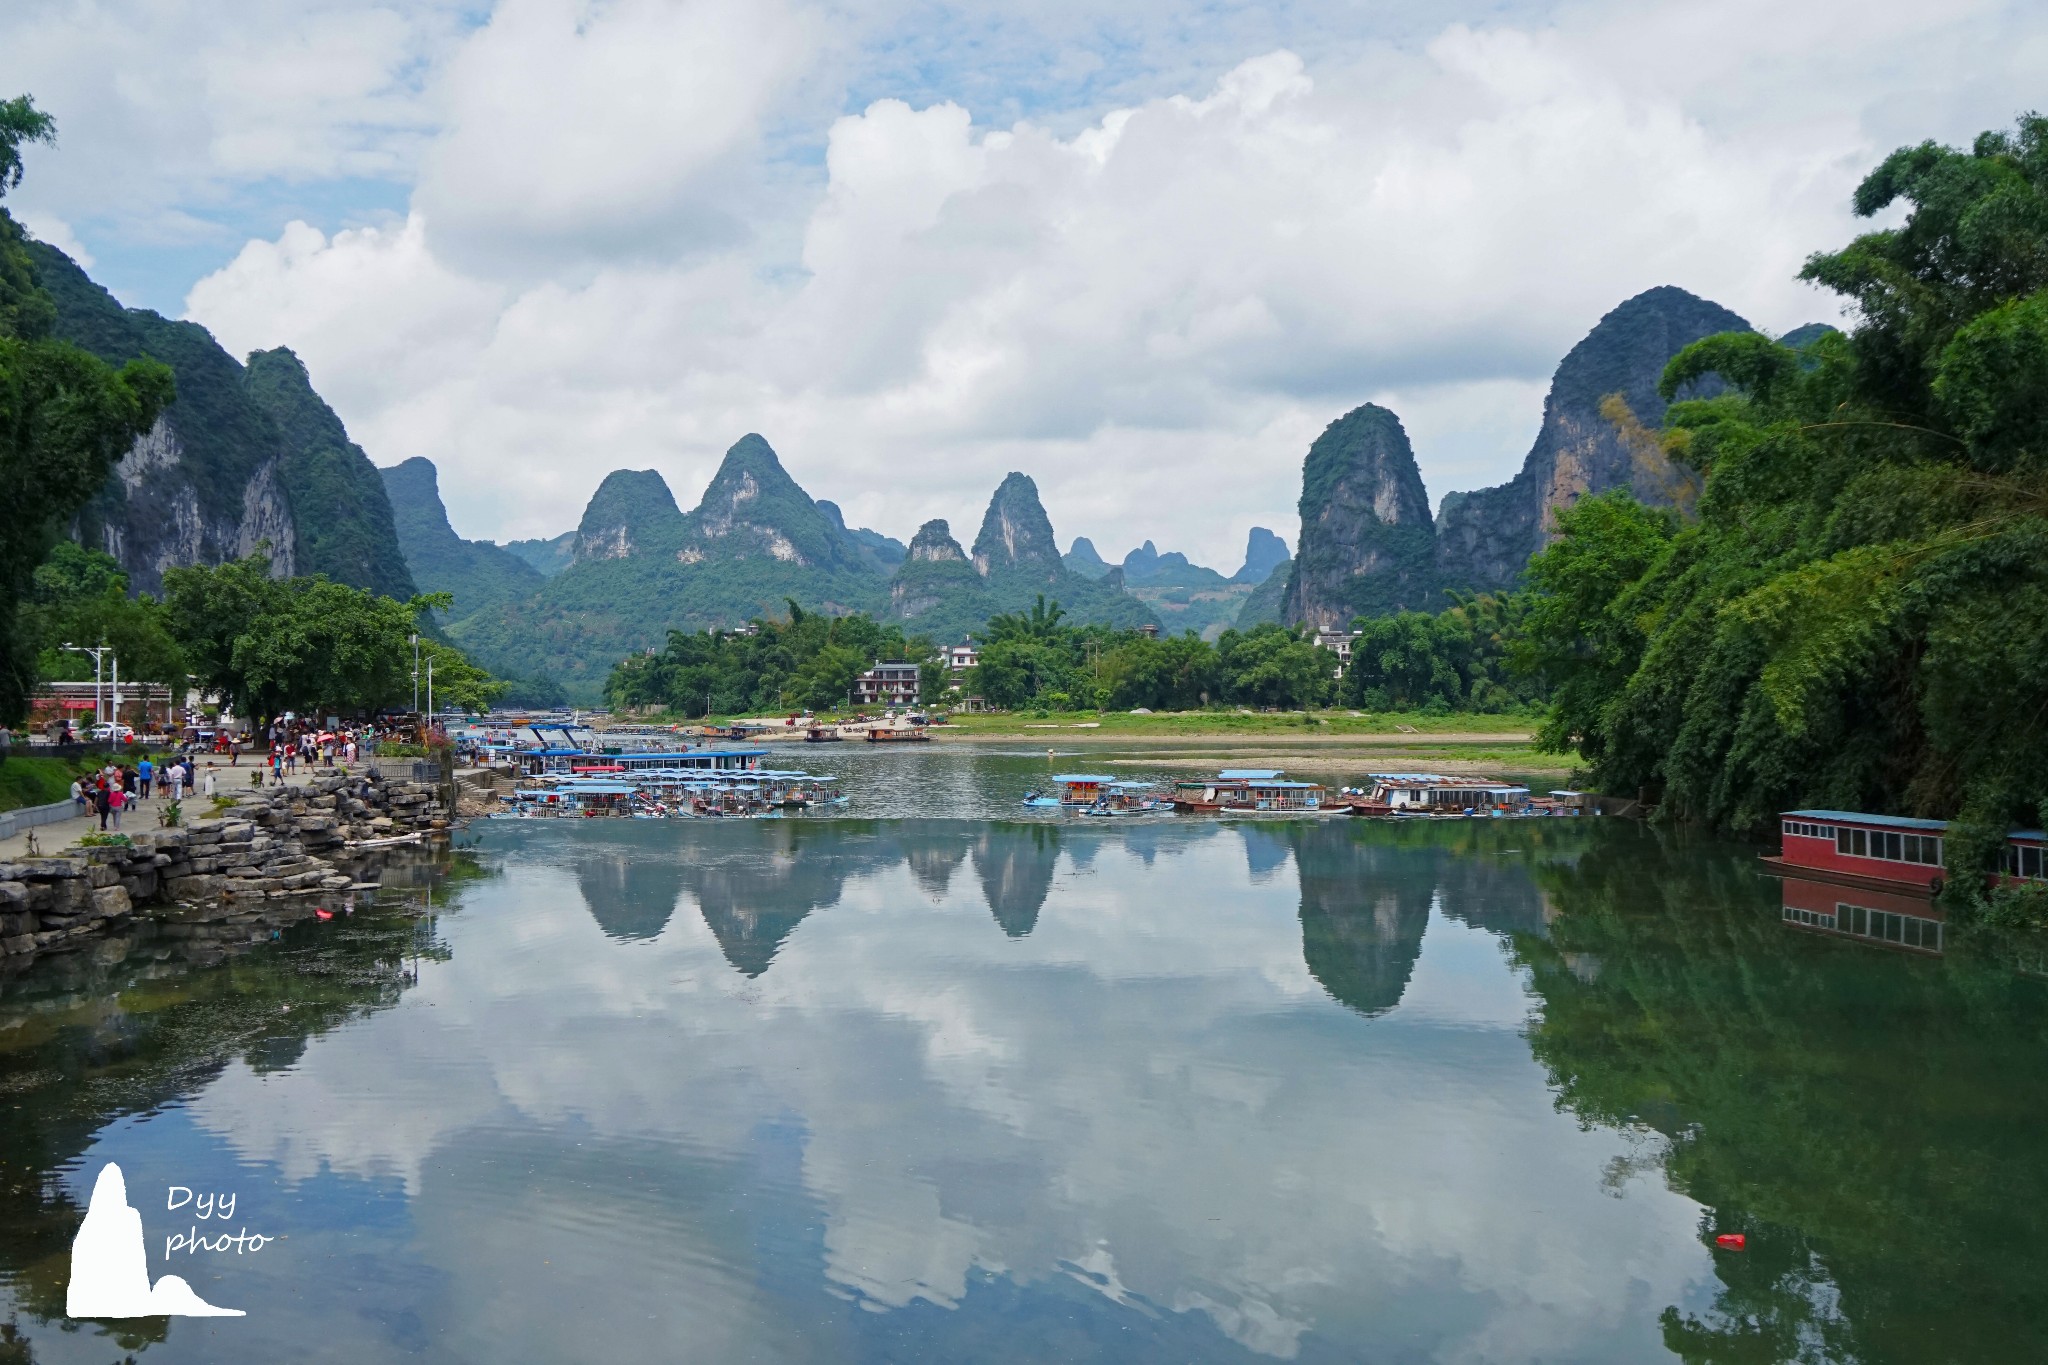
point(1143, 253)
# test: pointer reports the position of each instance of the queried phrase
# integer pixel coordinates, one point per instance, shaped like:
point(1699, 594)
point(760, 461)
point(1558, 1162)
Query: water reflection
point(1869, 1118)
point(799, 1091)
point(1015, 865)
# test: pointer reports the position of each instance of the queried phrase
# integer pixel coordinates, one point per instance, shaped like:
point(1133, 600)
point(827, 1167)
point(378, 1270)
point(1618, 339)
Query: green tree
point(1859, 617)
point(80, 596)
point(1276, 666)
point(65, 417)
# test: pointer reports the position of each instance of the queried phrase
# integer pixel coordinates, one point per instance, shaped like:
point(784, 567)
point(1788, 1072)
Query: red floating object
point(1734, 1241)
point(324, 914)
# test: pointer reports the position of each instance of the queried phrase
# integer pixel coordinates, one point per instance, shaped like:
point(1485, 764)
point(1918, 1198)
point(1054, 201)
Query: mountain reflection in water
point(1179, 1090)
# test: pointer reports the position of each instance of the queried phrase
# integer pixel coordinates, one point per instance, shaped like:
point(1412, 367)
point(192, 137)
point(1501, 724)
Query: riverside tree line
point(1451, 661)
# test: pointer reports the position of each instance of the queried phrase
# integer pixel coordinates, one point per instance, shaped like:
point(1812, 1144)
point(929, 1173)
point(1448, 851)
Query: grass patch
point(36, 781)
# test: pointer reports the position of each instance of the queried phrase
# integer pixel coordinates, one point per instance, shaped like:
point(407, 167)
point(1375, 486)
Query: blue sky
point(1143, 253)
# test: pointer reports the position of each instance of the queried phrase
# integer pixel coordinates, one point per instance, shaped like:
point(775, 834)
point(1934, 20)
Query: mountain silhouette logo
point(110, 1267)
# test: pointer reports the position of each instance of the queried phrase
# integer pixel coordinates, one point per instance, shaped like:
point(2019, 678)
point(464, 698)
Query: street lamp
point(99, 667)
point(415, 673)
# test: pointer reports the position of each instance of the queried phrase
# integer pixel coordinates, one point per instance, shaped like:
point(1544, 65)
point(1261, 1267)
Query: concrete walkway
point(63, 834)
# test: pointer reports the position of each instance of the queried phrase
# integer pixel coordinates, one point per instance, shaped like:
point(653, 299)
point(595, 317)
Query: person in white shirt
point(207, 789)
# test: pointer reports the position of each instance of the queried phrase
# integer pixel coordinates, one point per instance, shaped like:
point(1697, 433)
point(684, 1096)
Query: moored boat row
point(1270, 793)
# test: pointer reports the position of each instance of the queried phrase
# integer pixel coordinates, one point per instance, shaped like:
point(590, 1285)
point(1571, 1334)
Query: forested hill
point(245, 457)
point(478, 573)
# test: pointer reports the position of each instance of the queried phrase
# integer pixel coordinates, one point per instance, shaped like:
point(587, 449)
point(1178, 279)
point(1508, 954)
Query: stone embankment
point(274, 843)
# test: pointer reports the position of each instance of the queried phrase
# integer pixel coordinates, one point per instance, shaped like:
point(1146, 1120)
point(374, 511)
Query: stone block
point(111, 901)
point(13, 895)
point(196, 888)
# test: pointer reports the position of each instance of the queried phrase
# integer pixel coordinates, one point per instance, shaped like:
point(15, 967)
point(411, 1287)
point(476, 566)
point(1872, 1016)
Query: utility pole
point(101, 654)
point(415, 673)
point(430, 691)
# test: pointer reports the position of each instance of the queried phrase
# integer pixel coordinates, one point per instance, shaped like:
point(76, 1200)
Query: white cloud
point(575, 128)
point(1152, 314)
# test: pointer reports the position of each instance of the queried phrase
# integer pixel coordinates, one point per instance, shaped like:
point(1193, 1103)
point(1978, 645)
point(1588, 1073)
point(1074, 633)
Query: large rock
point(1485, 539)
point(1367, 539)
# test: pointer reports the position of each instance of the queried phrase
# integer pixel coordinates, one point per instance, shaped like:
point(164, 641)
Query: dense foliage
point(1460, 659)
point(80, 596)
point(1034, 659)
point(309, 644)
point(1858, 617)
point(65, 417)
point(1029, 658)
point(807, 660)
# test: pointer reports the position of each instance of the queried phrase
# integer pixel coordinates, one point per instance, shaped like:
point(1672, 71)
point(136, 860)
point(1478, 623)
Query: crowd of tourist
point(122, 785)
point(117, 788)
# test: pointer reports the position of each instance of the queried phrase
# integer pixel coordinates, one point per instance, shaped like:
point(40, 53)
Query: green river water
point(991, 1089)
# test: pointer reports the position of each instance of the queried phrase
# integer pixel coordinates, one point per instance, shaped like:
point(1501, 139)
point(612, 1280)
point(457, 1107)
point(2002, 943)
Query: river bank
point(274, 844)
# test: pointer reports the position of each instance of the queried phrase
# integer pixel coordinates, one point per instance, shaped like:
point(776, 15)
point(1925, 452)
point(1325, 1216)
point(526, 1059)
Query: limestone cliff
point(632, 511)
point(1485, 538)
point(1016, 537)
point(935, 572)
point(341, 512)
point(205, 484)
point(1367, 538)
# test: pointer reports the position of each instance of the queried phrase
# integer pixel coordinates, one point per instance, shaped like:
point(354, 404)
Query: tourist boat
point(1119, 798)
point(892, 735)
point(1253, 791)
point(1435, 794)
point(823, 734)
point(1076, 789)
point(1888, 852)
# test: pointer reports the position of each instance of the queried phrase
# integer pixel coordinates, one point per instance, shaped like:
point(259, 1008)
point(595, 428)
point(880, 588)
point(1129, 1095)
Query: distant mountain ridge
point(638, 566)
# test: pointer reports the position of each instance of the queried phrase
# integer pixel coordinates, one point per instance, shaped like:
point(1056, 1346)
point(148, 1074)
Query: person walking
point(175, 775)
point(102, 802)
point(208, 788)
point(117, 799)
point(145, 773)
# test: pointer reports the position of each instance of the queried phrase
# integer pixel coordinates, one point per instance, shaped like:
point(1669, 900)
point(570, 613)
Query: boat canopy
point(1075, 778)
point(1249, 774)
point(1852, 817)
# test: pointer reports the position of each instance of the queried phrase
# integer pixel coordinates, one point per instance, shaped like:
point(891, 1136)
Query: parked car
point(120, 734)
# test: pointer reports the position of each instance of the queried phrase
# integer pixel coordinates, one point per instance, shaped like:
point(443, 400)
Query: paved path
point(64, 833)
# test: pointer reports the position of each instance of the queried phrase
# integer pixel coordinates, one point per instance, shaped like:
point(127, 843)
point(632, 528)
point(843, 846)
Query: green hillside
point(341, 511)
